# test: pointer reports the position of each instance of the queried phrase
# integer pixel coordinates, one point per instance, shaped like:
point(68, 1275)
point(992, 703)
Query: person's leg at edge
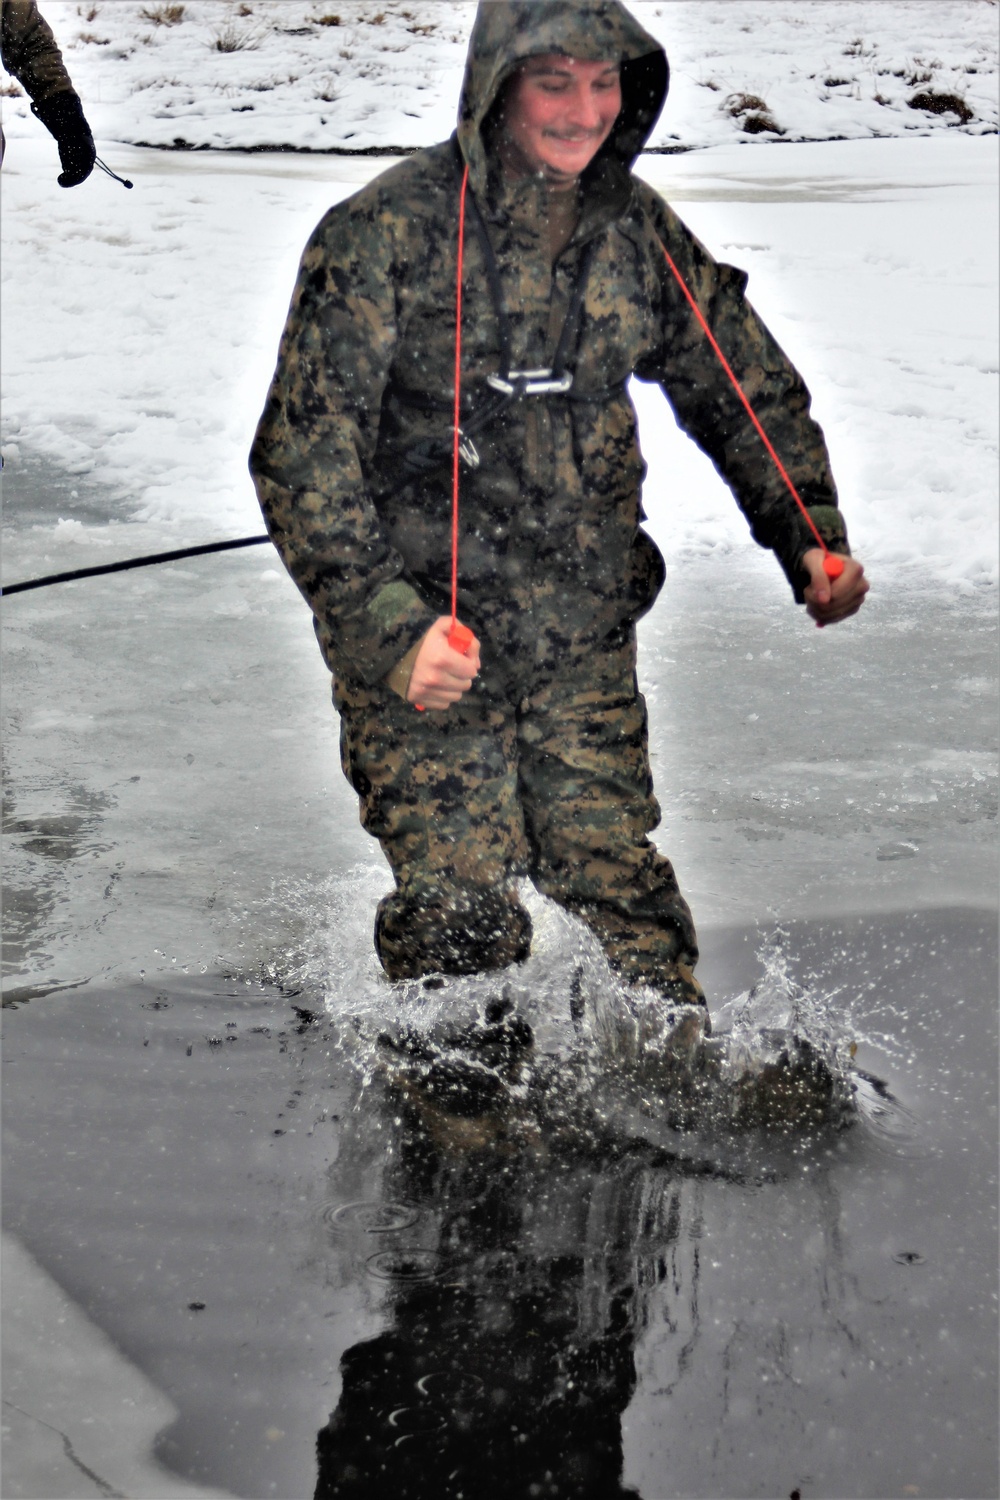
point(439, 792)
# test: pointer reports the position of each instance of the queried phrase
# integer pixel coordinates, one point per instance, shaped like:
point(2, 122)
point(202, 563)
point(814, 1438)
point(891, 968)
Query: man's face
point(559, 112)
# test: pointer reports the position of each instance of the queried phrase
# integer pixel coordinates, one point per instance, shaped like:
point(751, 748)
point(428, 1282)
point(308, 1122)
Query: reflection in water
point(48, 825)
point(817, 1316)
point(521, 1275)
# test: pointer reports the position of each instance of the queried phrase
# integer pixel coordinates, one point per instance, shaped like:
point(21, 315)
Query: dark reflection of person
point(506, 1370)
point(31, 55)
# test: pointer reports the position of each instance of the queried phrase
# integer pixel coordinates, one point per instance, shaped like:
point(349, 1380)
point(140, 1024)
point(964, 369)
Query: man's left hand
point(830, 600)
point(63, 118)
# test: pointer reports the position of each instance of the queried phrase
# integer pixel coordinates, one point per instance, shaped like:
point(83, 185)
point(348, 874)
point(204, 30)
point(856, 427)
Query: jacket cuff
point(829, 522)
point(399, 678)
point(377, 638)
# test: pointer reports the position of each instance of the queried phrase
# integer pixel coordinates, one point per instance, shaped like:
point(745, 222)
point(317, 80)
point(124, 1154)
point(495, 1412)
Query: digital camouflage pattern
point(554, 567)
point(551, 779)
point(550, 519)
point(30, 51)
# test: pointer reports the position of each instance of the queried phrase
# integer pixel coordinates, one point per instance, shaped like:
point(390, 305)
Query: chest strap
point(506, 385)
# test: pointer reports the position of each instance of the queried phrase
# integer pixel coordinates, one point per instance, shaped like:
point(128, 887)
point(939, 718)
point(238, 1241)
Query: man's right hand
point(440, 674)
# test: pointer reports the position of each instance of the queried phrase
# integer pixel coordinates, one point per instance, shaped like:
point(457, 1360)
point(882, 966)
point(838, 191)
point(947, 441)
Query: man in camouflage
point(531, 758)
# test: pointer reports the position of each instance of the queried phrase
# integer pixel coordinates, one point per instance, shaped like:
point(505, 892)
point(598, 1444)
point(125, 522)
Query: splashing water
point(591, 1032)
point(836, 1017)
point(326, 951)
point(777, 1004)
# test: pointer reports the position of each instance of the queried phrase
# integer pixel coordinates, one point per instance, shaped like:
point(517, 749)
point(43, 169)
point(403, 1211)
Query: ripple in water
point(886, 1124)
point(370, 1217)
point(414, 1421)
point(406, 1265)
point(909, 1258)
point(450, 1388)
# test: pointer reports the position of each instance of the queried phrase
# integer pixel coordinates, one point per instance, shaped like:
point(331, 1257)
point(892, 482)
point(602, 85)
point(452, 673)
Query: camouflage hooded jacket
point(552, 556)
point(30, 52)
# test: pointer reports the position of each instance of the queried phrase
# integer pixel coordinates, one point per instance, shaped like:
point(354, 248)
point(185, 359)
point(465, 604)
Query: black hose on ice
point(134, 562)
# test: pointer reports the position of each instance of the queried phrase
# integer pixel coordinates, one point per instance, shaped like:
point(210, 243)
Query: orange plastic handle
point(460, 638)
point(833, 564)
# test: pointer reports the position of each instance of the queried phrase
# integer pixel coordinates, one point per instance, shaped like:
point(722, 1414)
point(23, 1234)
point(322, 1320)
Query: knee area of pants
point(454, 933)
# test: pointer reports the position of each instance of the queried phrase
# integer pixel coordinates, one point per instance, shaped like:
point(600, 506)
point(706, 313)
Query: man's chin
point(565, 171)
point(560, 176)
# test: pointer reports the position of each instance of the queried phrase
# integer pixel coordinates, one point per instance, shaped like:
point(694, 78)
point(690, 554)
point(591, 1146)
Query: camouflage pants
point(551, 781)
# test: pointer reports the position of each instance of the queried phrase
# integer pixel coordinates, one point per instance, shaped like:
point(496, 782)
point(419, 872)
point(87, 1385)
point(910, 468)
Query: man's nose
point(584, 109)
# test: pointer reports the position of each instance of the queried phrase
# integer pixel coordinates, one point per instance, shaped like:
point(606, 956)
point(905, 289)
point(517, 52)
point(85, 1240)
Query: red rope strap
point(833, 565)
point(459, 636)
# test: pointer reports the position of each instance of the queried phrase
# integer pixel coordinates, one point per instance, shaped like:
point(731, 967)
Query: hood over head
point(506, 32)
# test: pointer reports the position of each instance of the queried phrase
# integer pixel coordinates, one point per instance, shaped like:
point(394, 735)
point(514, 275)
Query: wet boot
point(796, 1089)
point(672, 1020)
point(503, 1040)
point(466, 1074)
point(786, 1083)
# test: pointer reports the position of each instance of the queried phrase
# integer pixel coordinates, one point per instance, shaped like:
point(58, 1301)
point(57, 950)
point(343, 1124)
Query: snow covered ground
point(356, 74)
point(140, 328)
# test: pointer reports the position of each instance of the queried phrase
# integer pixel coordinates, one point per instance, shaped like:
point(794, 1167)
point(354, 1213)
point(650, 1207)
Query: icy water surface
point(597, 1306)
point(174, 795)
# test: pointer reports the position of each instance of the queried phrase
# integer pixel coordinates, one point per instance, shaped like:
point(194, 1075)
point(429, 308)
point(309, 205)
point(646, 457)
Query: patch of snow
point(141, 328)
point(387, 75)
point(887, 302)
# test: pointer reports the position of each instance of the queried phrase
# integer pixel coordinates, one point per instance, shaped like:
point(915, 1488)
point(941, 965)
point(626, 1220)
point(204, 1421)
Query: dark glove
point(63, 118)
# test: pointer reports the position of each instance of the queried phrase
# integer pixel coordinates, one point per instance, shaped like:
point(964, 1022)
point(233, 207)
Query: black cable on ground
point(133, 562)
